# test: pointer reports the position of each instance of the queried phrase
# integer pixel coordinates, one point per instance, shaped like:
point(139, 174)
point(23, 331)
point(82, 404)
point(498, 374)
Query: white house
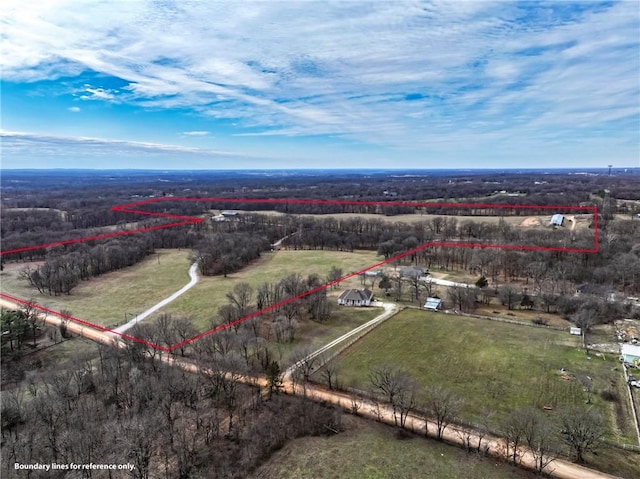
point(355, 297)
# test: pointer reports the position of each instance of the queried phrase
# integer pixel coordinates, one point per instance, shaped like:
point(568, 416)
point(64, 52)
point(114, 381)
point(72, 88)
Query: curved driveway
point(193, 273)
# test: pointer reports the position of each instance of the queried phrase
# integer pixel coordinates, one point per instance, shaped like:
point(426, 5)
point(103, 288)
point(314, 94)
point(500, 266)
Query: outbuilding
point(557, 220)
point(433, 304)
point(630, 354)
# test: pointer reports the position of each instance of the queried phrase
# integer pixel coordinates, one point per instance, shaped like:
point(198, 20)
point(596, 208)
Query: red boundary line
point(186, 220)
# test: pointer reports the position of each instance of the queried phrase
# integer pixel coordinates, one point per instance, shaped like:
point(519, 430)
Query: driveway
point(193, 274)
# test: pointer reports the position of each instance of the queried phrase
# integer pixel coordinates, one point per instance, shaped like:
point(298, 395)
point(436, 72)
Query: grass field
point(311, 333)
point(106, 299)
point(494, 366)
point(203, 300)
point(368, 450)
point(63, 214)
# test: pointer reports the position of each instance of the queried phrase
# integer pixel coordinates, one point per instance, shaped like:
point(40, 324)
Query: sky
point(332, 84)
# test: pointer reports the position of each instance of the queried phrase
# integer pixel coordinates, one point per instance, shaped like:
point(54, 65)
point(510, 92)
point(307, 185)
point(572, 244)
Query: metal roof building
point(557, 220)
point(433, 304)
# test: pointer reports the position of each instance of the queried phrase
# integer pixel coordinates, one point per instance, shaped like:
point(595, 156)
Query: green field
point(204, 299)
point(493, 366)
point(367, 450)
point(105, 300)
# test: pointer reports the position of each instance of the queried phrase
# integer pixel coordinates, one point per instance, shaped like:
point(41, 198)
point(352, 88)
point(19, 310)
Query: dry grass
point(372, 451)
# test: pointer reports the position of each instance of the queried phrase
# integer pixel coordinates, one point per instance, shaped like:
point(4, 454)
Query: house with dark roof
point(413, 272)
point(355, 297)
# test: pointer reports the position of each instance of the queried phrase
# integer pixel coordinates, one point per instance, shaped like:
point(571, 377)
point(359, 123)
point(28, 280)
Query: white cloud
point(74, 109)
point(195, 133)
point(25, 141)
point(489, 70)
point(98, 94)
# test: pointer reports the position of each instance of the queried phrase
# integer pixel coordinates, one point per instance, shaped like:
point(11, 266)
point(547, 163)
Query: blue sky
point(275, 84)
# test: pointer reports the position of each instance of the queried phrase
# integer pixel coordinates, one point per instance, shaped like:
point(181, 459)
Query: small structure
point(230, 214)
point(557, 220)
point(630, 354)
point(414, 272)
point(576, 331)
point(355, 297)
point(433, 304)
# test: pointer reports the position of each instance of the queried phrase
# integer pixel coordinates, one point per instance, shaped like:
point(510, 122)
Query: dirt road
point(382, 412)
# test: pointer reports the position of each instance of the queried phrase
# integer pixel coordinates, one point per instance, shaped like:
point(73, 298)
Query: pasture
point(494, 366)
point(107, 299)
point(370, 450)
point(203, 301)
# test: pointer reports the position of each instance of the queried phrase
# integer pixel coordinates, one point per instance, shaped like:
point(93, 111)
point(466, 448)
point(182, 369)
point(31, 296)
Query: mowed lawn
point(367, 450)
point(203, 301)
point(493, 366)
point(105, 300)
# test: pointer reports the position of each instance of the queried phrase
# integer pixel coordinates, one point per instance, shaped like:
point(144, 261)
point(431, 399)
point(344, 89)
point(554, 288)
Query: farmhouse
point(630, 354)
point(356, 297)
point(557, 220)
point(433, 304)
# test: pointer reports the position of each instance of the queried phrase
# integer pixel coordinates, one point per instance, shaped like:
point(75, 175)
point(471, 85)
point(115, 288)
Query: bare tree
point(334, 275)
point(582, 429)
point(304, 362)
point(508, 296)
point(462, 297)
point(444, 406)
point(397, 388)
point(330, 373)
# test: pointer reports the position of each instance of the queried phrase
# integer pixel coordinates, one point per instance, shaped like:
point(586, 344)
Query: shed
point(630, 354)
point(576, 331)
point(433, 304)
point(557, 220)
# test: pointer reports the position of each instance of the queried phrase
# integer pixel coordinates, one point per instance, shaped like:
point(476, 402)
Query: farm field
point(494, 366)
point(203, 300)
point(105, 300)
point(371, 450)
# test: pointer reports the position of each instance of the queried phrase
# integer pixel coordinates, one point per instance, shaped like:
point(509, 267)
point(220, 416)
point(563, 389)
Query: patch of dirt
point(530, 222)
